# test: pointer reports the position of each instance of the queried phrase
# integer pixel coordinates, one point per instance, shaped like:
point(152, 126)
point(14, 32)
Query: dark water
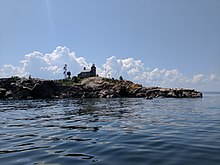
point(111, 131)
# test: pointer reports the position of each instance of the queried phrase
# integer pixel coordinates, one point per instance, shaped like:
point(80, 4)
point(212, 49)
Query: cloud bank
point(50, 66)
point(46, 66)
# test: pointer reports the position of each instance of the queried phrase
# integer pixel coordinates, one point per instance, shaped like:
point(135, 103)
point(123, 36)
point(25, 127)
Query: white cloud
point(128, 68)
point(134, 70)
point(197, 78)
point(50, 66)
point(9, 70)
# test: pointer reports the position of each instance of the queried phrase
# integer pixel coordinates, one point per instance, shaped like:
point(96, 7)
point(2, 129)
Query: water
point(110, 131)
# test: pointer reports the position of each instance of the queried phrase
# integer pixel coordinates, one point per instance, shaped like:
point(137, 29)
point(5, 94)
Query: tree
point(68, 74)
point(65, 71)
point(121, 78)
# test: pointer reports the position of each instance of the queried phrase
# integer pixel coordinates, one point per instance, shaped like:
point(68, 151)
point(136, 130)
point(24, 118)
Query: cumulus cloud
point(9, 70)
point(135, 70)
point(50, 66)
point(126, 67)
point(47, 66)
point(197, 78)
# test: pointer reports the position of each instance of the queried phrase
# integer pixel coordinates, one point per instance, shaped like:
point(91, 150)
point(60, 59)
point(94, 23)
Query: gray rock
point(9, 94)
point(23, 93)
point(2, 93)
point(149, 97)
point(41, 91)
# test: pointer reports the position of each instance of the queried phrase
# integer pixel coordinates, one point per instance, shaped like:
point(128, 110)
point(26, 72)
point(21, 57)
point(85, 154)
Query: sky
point(172, 43)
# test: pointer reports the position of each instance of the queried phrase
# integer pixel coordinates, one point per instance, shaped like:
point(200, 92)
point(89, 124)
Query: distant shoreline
point(211, 92)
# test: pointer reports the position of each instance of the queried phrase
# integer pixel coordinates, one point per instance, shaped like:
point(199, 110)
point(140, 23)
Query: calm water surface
point(110, 131)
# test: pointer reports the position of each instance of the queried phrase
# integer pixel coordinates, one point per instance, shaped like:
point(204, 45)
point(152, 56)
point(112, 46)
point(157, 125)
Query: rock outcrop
point(93, 87)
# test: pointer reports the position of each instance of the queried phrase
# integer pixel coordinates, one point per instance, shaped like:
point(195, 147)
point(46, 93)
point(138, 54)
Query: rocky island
point(91, 87)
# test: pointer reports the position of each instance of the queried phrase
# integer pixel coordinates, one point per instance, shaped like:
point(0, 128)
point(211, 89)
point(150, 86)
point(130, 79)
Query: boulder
point(2, 93)
point(41, 91)
point(149, 97)
point(123, 92)
point(9, 94)
point(23, 93)
point(103, 93)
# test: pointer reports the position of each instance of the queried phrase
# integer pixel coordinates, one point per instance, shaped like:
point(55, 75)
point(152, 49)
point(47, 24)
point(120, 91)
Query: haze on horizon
point(155, 43)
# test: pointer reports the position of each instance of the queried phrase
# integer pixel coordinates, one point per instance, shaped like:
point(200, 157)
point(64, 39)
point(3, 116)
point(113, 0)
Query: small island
point(85, 85)
point(90, 87)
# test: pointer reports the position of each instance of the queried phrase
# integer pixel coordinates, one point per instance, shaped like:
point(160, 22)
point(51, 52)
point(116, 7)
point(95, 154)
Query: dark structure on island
point(88, 73)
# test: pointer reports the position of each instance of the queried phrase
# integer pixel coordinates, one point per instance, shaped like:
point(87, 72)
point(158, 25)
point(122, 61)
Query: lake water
point(111, 131)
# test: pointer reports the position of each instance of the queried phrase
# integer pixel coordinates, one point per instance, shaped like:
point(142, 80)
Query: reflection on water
point(110, 131)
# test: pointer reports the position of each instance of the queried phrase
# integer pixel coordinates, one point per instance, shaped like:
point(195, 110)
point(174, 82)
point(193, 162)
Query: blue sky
point(181, 35)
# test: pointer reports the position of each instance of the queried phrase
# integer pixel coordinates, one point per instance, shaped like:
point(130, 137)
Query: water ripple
point(110, 131)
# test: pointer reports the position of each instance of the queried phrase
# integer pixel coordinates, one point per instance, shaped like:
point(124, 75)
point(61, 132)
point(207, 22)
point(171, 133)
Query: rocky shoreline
point(93, 87)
